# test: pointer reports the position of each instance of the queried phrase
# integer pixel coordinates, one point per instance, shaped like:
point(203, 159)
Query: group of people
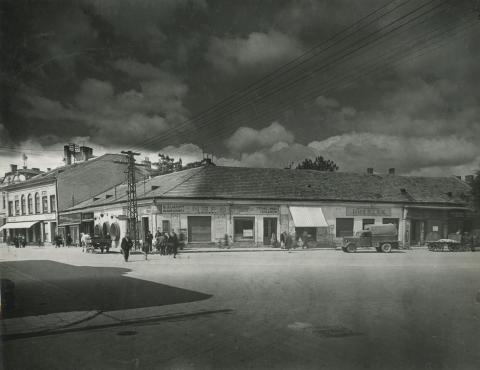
point(19, 241)
point(165, 243)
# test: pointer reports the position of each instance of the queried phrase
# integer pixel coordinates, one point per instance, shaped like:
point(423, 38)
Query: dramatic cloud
point(257, 50)
point(120, 117)
point(246, 138)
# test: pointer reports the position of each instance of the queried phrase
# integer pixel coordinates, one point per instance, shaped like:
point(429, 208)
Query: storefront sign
point(87, 216)
point(369, 211)
point(255, 210)
point(74, 218)
point(191, 209)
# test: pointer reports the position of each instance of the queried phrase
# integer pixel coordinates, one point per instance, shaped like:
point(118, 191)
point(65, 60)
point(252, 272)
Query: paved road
point(299, 310)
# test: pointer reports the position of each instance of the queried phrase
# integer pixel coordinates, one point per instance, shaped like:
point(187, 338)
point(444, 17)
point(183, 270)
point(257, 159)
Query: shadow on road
point(45, 287)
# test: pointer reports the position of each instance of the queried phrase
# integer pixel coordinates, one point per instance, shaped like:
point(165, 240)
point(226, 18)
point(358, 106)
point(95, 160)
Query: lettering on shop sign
point(255, 210)
point(73, 218)
point(191, 209)
point(87, 216)
point(368, 211)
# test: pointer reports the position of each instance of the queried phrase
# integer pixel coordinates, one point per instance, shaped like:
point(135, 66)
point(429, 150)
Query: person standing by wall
point(126, 245)
point(174, 237)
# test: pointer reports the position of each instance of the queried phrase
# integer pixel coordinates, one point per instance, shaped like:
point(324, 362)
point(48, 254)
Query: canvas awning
point(19, 225)
point(308, 217)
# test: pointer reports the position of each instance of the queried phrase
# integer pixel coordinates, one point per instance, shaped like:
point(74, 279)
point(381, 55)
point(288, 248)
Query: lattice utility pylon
point(132, 210)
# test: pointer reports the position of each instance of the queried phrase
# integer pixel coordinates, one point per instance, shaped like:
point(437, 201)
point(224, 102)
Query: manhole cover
point(127, 332)
point(334, 331)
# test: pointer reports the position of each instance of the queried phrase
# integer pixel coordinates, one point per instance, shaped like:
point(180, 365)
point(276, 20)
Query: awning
point(19, 225)
point(308, 217)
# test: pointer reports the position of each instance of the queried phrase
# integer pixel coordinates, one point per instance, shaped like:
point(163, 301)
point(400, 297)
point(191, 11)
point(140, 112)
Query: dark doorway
point(269, 229)
point(145, 228)
point(199, 229)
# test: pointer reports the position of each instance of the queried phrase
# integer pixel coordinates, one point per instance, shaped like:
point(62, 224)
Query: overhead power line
point(387, 31)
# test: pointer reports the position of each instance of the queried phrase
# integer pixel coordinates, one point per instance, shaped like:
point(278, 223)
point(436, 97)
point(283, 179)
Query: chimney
point(370, 171)
point(48, 169)
point(391, 171)
point(85, 153)
point(469, 179)
point(67, 154)
point(13, 168)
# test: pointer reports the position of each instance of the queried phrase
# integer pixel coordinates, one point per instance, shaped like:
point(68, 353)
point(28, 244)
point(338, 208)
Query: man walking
point(126, 245)
point(174, 237)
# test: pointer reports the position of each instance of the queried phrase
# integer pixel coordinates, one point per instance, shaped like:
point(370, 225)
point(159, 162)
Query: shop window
point(37, 203)
point(17, 208)
point(44, 204)
point(30, 204)
point(243, 228)
point(344, 227)
point(306, 233)
point(367, 221)
point(52, 204)
point(23, 205)
point(10, 208)
point(199, 229)
point(166, 226)
point(394, 221)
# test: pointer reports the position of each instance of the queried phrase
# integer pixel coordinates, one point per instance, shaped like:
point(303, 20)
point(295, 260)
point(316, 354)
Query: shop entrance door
point(199, 229)
point(417, 234)
point(269, 228)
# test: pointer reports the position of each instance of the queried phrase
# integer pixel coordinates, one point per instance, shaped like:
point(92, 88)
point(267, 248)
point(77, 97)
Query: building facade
point(34, 206)
point(246, 206)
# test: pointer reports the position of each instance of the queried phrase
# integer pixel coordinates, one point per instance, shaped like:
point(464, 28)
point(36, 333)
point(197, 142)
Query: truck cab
point(383, 238)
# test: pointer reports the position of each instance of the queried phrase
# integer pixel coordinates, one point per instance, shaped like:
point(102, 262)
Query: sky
point(370, 83)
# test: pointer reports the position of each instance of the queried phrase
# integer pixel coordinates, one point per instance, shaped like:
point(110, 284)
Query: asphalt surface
point(257, 310)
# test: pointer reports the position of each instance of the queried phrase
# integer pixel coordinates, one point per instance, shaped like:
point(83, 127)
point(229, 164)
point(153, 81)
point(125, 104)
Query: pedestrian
point(15, 241)
point(174, 243)
point(24, 241)
point(283, 239)
point(58, 241)
point(164, 244)
point(149, 240)
point(69, 240)
point(126, 246)
point(288, 242)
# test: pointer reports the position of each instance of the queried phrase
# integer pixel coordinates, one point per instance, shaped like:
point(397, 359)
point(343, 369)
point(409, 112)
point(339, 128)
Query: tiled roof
point(215, 182)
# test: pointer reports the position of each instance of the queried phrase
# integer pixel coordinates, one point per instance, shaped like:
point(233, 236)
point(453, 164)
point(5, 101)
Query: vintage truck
point(383, 238)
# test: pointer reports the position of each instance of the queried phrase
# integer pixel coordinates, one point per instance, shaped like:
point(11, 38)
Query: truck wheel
point(351, 248)
point(344, 249)
point(386, 248)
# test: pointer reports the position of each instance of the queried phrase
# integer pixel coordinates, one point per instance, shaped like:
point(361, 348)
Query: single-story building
point(253, 206)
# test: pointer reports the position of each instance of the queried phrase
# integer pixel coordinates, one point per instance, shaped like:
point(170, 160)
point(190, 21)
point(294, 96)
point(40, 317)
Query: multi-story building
point(14, 176)
point(33, 205)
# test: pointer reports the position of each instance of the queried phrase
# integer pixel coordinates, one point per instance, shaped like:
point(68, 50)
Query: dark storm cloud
point(118, 73)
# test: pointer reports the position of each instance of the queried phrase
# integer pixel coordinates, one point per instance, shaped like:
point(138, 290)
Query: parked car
point(383, 238)
point(101, 242)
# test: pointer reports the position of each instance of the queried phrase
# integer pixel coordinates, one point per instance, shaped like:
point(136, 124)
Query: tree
point(317, 164)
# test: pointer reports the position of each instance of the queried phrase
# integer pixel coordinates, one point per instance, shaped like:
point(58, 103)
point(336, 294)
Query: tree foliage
point(318, 164)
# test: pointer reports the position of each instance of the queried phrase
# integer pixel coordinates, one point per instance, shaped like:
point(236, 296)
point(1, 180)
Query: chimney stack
point(370, 171)
point(67, 154)
point(85, 153)
point(391, 171)
point(13, 168)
